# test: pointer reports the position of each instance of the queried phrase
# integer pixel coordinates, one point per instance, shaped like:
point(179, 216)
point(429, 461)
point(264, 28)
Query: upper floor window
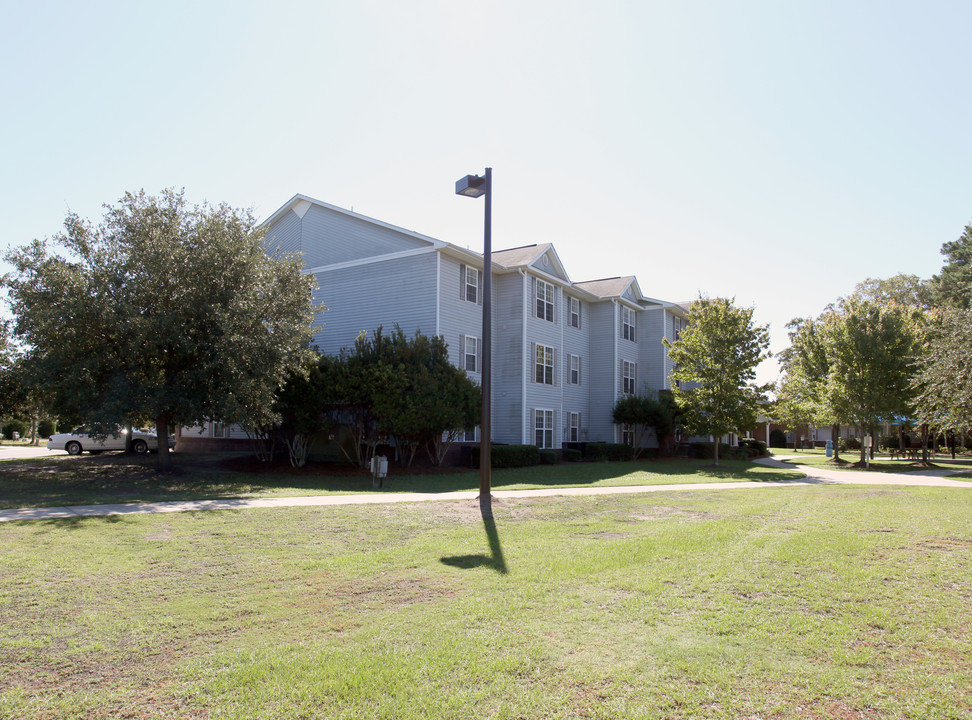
point(545, 300)
point(574, 370)
point(627, 323)
point(628, 373)
point(574, 318)
point(677, 326)
point(470, 284)
point(544, 365)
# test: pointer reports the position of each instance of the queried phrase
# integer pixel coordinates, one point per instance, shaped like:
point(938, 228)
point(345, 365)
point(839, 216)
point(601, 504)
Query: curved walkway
point(815, 476)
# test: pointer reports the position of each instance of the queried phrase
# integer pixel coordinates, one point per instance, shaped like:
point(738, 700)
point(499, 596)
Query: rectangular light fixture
point(471, 186)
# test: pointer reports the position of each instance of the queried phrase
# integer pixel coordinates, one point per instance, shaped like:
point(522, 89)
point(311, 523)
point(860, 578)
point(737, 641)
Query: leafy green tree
point(943, 382)
point(903, 289)
point(163, 311)
point(953, 286)
point(715, 358)
point(300, 406)
point(870, 349)
point(648, 412)
point(391, 386)
point(801, 396)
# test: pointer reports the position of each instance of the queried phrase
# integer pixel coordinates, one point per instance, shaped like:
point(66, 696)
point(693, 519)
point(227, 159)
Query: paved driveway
point(10, 452)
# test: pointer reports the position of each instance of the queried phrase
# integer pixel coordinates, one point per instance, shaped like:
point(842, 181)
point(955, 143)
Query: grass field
point(777, 602)
point(881, 463)
point(115, 477)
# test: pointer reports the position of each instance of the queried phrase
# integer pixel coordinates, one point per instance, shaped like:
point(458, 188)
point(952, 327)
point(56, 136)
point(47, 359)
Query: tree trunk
point(715, 450)
point(924, 442)
point(162, 432)
point(835, 439)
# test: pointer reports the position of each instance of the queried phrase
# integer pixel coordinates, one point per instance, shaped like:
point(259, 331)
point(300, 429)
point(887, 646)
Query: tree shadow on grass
point(495, 559)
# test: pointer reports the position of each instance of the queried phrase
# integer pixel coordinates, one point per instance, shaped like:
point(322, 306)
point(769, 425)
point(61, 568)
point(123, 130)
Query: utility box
point(379, 469)
point(830, 448)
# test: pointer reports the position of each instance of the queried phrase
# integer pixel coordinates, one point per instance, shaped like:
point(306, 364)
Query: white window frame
point(543, 365)
point(468, 340)
point(573, 427)
point(543, 428)
point(574, 315)
point(627, 434)
point(471, 435)
point(627, 323)
point(573, 370)
point(629, 372)
point(545, 300)
point(470, 282)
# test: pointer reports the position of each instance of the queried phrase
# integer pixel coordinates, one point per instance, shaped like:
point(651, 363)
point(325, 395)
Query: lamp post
point(475, 186)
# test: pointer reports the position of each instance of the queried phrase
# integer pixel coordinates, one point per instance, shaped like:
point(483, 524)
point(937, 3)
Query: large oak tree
point(162, 312)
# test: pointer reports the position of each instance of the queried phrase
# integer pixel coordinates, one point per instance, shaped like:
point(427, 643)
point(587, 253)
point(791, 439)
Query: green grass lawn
point(778, 602)
point(881, 462)
point(114, 477)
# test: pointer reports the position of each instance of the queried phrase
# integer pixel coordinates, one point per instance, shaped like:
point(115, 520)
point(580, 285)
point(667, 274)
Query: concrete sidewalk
point(814, 476)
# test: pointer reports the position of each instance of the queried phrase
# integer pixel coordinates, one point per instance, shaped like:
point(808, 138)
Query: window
point(544, 363)
point(543, 428)
point(470, 281)
point(627, 323)
point(574, 371)
point(627, 435)
point(573, 428)
point(545, 300)
point(628, 372)
point(469, 350)
point(574, 318)
point(471, 435)
point(676, 328)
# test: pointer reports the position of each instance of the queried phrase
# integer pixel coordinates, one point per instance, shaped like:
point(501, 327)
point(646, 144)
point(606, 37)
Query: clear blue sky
point(778, 152)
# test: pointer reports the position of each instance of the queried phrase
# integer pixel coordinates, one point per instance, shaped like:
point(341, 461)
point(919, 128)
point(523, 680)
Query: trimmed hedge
point(572, 455)
point(509, 456)
point(608, 452)
point(758, 446)
point(549, 457)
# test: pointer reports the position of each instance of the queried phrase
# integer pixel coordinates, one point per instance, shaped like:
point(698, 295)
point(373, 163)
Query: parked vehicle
point(79, 440)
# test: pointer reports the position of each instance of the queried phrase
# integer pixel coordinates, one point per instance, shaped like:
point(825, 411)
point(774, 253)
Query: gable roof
point(541, 257)
point(609, 287)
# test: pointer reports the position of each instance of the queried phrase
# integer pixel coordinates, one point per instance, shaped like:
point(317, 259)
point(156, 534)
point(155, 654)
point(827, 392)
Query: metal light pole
point(474, 186)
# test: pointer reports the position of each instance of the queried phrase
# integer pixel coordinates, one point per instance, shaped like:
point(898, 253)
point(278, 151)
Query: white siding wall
point(329, 238)
point(508, 356)
point(652, 355)
point(604, 372)
point(362, 297)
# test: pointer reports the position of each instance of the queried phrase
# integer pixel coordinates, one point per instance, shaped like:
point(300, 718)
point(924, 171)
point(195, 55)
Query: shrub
point(509, 456)
point(573, 455)
point(753, 444)
point(852, 444)
point(12, 425)
point(608, 452)
point(46, 428)
point(778, 438)
point(549, 457)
